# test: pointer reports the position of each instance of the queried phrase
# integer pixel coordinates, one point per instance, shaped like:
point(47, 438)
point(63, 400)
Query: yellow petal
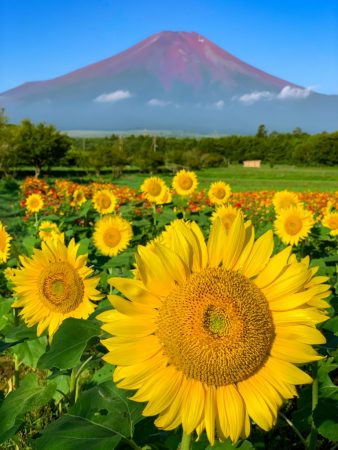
point(216, 243)
point(274, 268)
point(287, 372)
point(135, 291)
point(259, 256)
point(293, 351)
point(256, 406)
point(234, 242)
point(230, 403)
point(193, 405)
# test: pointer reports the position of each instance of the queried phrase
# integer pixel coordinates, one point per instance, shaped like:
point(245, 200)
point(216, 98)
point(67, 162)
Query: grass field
point(250, 179)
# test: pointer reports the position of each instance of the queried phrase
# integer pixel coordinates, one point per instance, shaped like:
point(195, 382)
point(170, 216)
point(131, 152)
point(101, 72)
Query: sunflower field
point(168, 317)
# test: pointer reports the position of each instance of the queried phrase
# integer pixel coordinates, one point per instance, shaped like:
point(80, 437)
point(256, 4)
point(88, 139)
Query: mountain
point(175, 81)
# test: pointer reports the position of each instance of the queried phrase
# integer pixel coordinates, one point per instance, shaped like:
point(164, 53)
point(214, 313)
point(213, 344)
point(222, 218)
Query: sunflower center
point(293, 225)
point(105, 202)
point(154, 189)
point(186, 183)
point(217, 328)
point(60, 287)
point(112, 237)
point(34, 203)
point(220, 193)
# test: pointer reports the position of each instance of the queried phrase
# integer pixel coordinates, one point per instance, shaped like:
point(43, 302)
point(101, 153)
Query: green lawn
point(251, 179)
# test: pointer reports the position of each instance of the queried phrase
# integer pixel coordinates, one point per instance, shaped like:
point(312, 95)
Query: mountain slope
point(172, 81)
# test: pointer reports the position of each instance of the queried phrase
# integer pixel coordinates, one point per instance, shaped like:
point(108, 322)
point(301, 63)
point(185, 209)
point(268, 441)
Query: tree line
point(42, 146)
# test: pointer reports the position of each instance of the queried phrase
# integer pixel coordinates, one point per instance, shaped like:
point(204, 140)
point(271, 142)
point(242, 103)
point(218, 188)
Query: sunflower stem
point(154, 215)
point(314, 433)
point(295, 429)
point(186, 441)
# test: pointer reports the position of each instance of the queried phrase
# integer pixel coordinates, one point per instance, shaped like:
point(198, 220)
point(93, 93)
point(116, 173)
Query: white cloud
point(113, 96)
point(256, 96)
point(289, 92)
point(219, 104)
point(156, 102)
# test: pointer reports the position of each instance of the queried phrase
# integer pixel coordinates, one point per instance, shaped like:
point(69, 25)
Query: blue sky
point(296, 40)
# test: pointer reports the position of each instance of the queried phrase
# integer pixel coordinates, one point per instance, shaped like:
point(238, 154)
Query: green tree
point(261, 131)
point(41, 145)
point(8, 147)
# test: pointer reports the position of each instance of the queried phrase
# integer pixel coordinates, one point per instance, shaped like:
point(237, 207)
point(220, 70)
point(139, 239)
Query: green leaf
point(21, 332)
point(29, 396)
point(105, 373)
point(5, 307)
point(31, 350)
point(29, 242)
point(74, 433)
point(332, 325)
point(69, 343)
point(109, 406)
point(118, 261)
point(325, 417)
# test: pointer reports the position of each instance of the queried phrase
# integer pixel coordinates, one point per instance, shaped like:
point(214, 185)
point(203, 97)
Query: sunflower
point(293, 224)
point(79, 198)
point(112, 235)
point(284, 199)
point(48, 229)
point(185, 182)
point(153, 189)
point(104, 201)
point(166, 197)
point(34, 203)
point(5, 245)
point(227, 214)
point(330, 220)
point(210, 334)
point(219, 192)
point(54, 284)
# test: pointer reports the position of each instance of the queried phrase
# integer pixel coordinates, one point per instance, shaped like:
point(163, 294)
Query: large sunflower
point(153, 189)
point(112, 235)
point(293, 224)
point(104, 201)
point(219, 192)
point(210, 334)
point(185, 182)
point(330, 220)
point(54, 284)
point(34, 203)
point(284, 199)
point(5, 245)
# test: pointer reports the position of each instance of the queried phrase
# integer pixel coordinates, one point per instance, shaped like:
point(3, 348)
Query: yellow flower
point(104, 201)
point(284, 199)
point(54, 284)
point(227, 214)
point(78, 197)
point(330, 220)
point(166, 197)
point(154, 189)
point(185, 182)
point(9, 273)
point(293, 224)
point(5, 245)
point(210, 334)
point(219, 192)
point(34, 203)
point(112, 235)
point(45, 229)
